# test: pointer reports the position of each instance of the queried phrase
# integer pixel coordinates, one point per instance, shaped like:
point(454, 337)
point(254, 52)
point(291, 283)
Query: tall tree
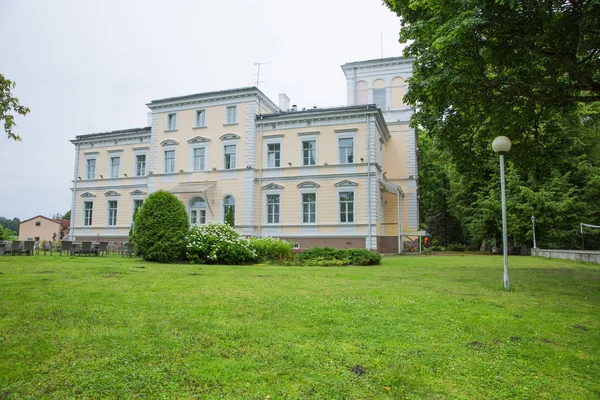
point(9, 105)
point(486, 68)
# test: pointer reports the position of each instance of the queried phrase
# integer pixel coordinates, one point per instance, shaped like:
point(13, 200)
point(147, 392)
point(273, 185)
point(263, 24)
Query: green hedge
point(161, 225)
point(328, 256)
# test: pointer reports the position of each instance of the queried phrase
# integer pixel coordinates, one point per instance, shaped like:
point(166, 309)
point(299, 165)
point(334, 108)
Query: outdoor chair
point(102, 248)
point(128, 249)
point(15, 247)
point(48, 247)
point(66, 246)
point(86, 248)
point(28, 248)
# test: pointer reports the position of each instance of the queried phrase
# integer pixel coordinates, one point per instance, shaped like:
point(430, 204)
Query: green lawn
point(414, 327)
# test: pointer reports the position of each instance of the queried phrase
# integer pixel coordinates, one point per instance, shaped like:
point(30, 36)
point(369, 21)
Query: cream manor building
point(340, 176)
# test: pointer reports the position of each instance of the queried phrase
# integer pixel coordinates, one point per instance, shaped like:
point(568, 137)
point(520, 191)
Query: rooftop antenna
point(258, 64)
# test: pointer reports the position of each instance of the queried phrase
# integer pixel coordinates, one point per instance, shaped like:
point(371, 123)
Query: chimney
point(284, 102)
point(294, 108)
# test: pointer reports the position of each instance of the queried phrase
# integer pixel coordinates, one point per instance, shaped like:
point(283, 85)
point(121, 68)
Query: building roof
point(318, 110)
point(65, 223)
point(218, 93)
point(120, 132)
point(386, 60)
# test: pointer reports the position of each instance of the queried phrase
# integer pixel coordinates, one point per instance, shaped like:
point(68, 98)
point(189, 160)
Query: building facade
point(340, 176)
point(42, 228)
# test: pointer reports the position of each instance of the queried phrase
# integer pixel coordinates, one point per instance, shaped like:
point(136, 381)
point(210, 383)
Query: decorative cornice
point(198, 139)
point(308, 184)
point(311, 133)
point(138, 192)
point(115, 151)
point(112, 193)
point(88, 194)
point(169, 142)
point(272, 186)
point(345, 183)
point(229, 136)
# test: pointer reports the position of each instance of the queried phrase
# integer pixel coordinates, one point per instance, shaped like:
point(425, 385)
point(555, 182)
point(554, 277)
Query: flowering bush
point(217, 243)
point(270, 249)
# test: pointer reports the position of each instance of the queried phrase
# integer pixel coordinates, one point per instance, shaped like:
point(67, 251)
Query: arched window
point(197, 211)
point(228, 204)
point(362, 94)
point(379, 95)
point(398, 92)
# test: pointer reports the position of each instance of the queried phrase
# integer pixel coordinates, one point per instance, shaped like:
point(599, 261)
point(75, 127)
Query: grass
point(414, 327)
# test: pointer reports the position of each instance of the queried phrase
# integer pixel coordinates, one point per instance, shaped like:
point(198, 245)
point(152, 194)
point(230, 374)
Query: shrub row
point(161, 233)
point(328, 256)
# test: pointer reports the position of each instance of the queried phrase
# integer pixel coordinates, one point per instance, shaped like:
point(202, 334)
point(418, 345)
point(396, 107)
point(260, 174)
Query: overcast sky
point(85, 67)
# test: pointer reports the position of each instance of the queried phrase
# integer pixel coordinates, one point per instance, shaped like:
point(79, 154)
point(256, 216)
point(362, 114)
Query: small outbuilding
point(43, 228)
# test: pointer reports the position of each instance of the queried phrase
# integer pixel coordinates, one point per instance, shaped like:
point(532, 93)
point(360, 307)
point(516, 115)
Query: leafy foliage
point(12, 224)
point(217, 243)
point(161, 226)
point(6, 234)
point(8, 104)
point(328, 256)
point(526, 70)
point(230, 217)
point(489, 68)
point(272, 250)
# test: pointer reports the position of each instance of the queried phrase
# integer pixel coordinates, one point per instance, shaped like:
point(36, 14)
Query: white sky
point(85, 67)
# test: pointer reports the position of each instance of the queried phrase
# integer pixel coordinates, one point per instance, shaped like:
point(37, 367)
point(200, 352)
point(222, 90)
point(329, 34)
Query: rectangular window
point(231, 117)
point(171, 121)
point(346, 206)
point(272, 208)
point(379, 98)
point(170, 161)
point(88, 208)
point(200, 118)
point(38, 223)
point(346, 146)
point(140, 165)
point(112, 212)
point(274, 155)
point(198, 217)
point(115, 165)
point(90, 166)
point(199, 155)
point(309, 208)
point(230, 162)
point(137, 204)
point(309, 152)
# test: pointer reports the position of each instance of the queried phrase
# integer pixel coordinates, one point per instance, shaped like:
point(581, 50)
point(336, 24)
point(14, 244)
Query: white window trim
point(345, 189)
point(273, 141)
point(223, 206)
point(230, 142)
point(227, 122)
point(189, 210)
point(195, 122)
point(309, 138)
point(142, 152)
point(266, 206)
point(346, 135)
point(201, 145)
point(309, 191)
point(133, 200)
point(108, 212)
point(167, 127)
point(83, 209)
point(87, 158)
point(111, 156)
point(164, 159)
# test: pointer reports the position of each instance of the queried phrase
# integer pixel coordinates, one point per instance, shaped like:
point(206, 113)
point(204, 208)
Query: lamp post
point(533, 223)
point(502, 145)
